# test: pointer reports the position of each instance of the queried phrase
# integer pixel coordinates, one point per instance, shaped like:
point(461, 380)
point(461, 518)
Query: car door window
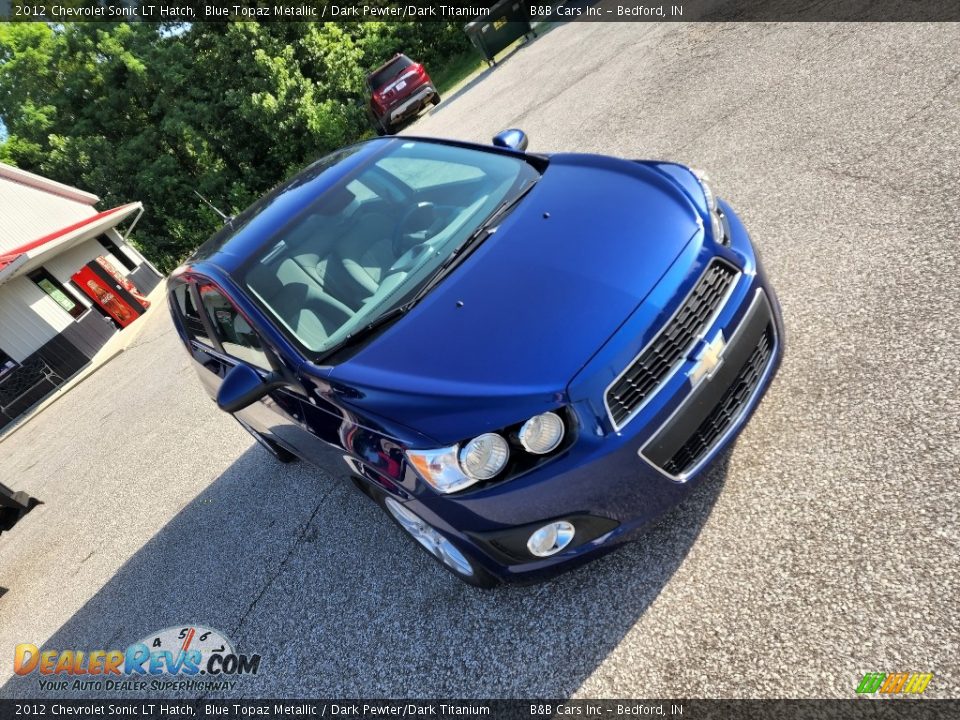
point(189, 315)
point(234, 332)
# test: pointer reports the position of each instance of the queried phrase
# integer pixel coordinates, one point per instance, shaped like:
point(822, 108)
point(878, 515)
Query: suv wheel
point(383, 127)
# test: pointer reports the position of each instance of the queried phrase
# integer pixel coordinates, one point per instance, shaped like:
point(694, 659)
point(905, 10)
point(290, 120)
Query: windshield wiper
point(487, 228)
point(378, 322)
point(502, 209)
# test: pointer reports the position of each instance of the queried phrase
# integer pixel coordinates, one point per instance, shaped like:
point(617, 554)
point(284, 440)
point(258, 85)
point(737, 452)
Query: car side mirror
point(513, 139)
point(243, 386)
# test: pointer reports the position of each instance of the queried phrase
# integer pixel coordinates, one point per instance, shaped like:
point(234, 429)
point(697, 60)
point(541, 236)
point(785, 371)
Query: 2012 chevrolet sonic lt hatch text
point(522, 358)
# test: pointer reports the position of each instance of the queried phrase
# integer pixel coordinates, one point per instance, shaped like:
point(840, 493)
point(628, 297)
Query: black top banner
point(157, 11)
point(533, 709)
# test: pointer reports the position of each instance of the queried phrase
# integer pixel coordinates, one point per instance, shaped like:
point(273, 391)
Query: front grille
point(726, 411)
point(666, 350)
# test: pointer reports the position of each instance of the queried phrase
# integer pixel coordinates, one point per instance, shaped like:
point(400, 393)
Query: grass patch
point(455, 70)
point(461, 66)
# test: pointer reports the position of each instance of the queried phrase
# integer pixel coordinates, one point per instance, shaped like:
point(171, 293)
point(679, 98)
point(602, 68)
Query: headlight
point(454, 468)
point(707, 191)
point(484, 456)
point(541, 434)
point(451, 469)
point(440, 469)
point(716, 227)
point(716, 224)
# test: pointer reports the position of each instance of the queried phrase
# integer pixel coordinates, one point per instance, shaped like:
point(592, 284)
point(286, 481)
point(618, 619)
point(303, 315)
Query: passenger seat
point(299, 301)
point(366, 253)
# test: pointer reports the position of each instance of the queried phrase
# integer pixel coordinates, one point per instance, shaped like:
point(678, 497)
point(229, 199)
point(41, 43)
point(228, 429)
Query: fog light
point(550, 539)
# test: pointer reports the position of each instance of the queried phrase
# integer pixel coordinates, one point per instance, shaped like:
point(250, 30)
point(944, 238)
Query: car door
point(205, 351)
point(278, 414)
point(284, 415)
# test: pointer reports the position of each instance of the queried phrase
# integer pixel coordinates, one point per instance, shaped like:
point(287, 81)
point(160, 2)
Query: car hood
point(501, 337)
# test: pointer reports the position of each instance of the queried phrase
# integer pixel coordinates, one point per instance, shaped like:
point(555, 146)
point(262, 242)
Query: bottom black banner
point(448, 708)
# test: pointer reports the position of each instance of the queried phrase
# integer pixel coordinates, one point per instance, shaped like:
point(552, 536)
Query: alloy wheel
point(435, 543)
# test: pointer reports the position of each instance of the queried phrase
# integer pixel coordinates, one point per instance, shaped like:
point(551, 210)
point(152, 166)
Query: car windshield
point(375, 239)
point(382, 76)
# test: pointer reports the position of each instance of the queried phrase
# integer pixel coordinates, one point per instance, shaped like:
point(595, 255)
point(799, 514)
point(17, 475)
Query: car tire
point(435, 100)
point(478, 576)
point(279, 454)
point(383, 127)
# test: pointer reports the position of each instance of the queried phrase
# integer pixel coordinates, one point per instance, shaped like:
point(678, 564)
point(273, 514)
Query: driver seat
point(366, 253)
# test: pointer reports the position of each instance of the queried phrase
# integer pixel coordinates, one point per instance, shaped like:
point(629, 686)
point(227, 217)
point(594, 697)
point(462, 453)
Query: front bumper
point(612, 481)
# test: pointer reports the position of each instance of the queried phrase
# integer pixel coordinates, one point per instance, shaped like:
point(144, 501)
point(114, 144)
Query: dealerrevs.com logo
point(179, 658)
point(894, 683)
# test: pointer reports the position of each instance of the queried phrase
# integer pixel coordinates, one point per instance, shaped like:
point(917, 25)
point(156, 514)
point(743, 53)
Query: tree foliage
point(152, 112)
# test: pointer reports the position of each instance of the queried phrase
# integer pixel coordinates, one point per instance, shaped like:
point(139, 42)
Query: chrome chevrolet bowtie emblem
point(709, 359)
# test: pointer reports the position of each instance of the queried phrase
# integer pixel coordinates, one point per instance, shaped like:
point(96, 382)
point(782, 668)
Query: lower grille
point(726, 411)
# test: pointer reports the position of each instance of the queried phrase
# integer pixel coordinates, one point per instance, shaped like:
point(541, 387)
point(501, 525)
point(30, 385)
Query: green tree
point(153, 112)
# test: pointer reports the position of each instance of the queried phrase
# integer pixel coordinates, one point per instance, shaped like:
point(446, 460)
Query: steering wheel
point(416, 227)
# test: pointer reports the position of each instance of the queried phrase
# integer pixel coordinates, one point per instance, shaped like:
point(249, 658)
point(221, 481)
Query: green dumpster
point(507, 21)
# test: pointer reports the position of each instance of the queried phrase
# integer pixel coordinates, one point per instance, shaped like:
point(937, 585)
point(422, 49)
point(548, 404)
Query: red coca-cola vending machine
point(113, 293)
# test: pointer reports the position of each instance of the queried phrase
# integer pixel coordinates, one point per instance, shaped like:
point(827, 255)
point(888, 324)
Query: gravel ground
point(825, 544)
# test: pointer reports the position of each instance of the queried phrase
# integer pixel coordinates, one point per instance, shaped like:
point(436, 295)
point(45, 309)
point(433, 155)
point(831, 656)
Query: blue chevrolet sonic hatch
point(522, 358)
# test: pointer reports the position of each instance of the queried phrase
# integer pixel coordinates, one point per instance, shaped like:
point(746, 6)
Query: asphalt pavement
point(825, 545)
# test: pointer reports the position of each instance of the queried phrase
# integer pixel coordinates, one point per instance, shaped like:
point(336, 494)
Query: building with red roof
point(69, 280)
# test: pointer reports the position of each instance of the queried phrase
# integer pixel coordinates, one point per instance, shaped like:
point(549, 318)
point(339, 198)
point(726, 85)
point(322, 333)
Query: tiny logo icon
point(709, 359)
point(905, 683)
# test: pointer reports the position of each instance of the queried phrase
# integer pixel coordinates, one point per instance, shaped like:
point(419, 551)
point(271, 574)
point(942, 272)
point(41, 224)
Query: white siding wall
point(28, 318)
point(27, 213)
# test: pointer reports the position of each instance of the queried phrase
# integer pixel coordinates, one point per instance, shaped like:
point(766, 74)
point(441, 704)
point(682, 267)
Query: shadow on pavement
point(13, 507)
point(305, 571)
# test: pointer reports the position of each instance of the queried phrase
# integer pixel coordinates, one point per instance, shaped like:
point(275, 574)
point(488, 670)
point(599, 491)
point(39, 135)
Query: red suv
point(399, 89)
